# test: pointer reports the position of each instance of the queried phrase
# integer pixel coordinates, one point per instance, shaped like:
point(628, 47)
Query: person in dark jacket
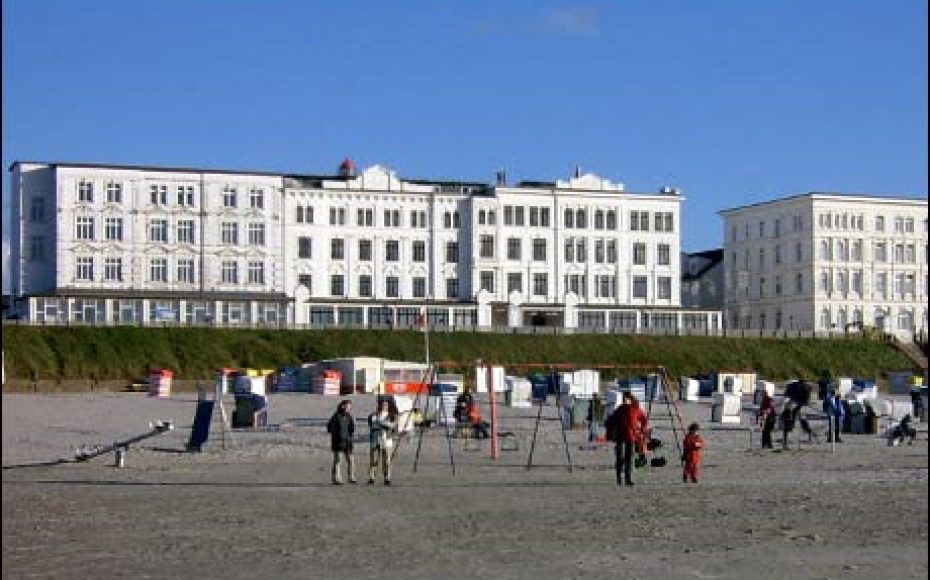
point(341, 429)
point(787, 423)
point(629, 426)
point(835, 414)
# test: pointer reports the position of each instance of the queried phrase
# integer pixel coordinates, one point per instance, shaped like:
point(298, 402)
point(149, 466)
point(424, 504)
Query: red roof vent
point(347, 167)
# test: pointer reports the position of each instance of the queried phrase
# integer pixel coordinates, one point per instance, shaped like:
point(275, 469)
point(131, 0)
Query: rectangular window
point(84, 229)
point(186, 271)
point(186, 195)
point(419, 251)
point(452, 288)
point(158, 195)
point(305, 280)
point(663, 287)
point(611, 219)
point(569, 218)
point(85, 191)
point(37, 209)
point(158, 270)
point(257, 199)
point(337, 249)
point(534, 217)
point(113, 269)
point(229, 272)
point(186, 232)
point(256, 272)
point(391, 218)
point(606, 286)
point(304, 247)
point(486, 246)
point(569, 250)
point(581, 252)
point(639, 287)
point(881, 285)
point(158, 231)
point(391, 287)
point(599, 251)
point(391, 251)
point(659, 222)
point(113, 228)
point(487, 281)
point(364, 250)
point(544, 217)
point(669, 222)
point(879, 223)
point(664, 255)
point(514, 283)
point(337, 285)
point(419, 287)
point(256, 234)
point(229, 197)
point(85, 269)
point(37, 249)
point(612, 251)
point(114, 192)
point(644, 221)
point(518, 216)
point(364, 286)
point(639, 254)
point(508, 215)
point(229, 233)
point(540, 284)
point(452, 252)
point(539, 249)
point(634, 221)
point(514, 249)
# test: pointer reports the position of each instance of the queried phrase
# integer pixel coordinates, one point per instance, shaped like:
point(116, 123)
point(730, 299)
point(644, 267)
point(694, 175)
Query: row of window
point(158, 270)
point(578, 218)
point(905, 283)
point(831, 221)
point(158, 194)
point(842, 320)
point(841, 251)
point(604, 286)
point(337, 250)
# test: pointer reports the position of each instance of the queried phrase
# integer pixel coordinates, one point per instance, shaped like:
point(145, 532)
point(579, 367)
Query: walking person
point(766, 417)
point(787, 423)
point(381, 426)
point(835, 414)
point(693, 446)
point(629, 425)
point(341, 429)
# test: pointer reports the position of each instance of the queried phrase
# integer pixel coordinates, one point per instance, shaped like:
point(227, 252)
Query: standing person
point(479, 426)
point(341, 429)
point(917, 403)
point(693, 449)
point(767, 418)
point(787, 423)
point(381, 424)
point(629, 424)
point(835, 414)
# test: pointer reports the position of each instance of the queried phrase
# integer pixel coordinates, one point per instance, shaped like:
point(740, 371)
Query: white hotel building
point(827, 263)
point(111, 244)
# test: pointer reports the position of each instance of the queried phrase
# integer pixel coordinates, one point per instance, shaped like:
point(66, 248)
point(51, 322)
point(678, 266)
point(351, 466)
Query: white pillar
point(145, 310)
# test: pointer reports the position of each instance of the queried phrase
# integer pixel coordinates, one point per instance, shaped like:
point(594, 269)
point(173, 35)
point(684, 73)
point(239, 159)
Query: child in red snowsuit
point(693, 448)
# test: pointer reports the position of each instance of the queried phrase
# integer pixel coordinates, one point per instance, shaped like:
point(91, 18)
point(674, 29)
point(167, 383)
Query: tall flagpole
point(425, 323)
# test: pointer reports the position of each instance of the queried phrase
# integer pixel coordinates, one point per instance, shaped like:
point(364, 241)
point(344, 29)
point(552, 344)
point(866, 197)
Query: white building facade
point(110, 244)
point(827, 263)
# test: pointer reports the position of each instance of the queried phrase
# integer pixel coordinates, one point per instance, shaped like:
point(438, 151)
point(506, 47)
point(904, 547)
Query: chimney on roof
point(501, 178)
point(347, 168)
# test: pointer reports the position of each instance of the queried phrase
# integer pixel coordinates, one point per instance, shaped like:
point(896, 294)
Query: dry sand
point(264, 506)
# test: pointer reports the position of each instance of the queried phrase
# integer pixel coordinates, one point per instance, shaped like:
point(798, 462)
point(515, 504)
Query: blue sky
point(732, 101)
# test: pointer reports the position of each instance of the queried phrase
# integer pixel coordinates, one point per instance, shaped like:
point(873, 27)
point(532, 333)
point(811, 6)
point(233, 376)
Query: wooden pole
point(492, 401)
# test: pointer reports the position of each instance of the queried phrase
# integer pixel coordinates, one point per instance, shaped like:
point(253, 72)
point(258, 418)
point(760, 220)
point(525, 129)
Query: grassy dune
point(193, 353)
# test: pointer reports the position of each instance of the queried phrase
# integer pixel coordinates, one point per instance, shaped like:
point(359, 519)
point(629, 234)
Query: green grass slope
point(194, 353)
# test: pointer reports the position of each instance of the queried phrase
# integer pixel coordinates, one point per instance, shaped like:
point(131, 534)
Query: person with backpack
point(341, 429)
point(626, 426)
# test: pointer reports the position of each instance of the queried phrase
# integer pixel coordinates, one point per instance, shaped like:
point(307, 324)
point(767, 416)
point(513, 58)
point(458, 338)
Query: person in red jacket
point(630, 426)
point(693, 448)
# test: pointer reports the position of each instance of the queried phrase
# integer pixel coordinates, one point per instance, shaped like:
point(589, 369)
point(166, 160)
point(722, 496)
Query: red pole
point(495, 451)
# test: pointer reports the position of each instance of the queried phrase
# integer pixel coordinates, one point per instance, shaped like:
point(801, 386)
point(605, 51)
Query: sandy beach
point(263, 506)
